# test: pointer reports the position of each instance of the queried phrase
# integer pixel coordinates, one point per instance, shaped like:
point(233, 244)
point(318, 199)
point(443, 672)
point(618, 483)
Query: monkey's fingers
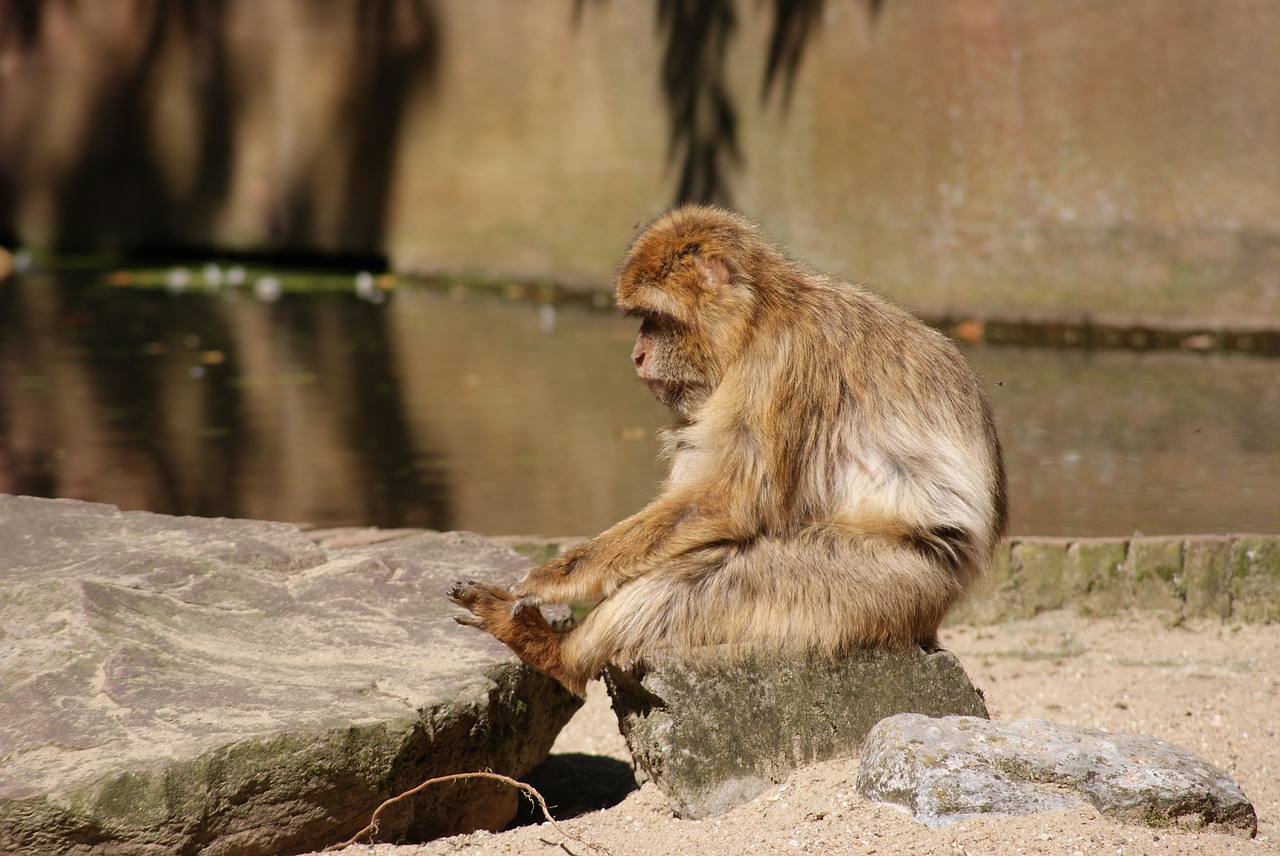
point(470, 620)
point(468, 593)
point(458, 592)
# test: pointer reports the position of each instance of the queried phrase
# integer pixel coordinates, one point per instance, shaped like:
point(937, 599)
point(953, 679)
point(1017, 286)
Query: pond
point(357, 404)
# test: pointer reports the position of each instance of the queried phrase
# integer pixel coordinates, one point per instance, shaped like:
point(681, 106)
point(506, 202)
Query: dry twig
point(529, 791)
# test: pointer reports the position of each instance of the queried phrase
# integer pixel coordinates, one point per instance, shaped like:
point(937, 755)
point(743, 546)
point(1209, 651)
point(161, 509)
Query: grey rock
point(950, 769)
point(181, 685)
point(715, 731)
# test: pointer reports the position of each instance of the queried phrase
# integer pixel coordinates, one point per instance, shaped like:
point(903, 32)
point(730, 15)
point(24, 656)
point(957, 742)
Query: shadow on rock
point(574, 784)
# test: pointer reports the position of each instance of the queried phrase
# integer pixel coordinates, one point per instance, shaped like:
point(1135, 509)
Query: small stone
point(955, 768)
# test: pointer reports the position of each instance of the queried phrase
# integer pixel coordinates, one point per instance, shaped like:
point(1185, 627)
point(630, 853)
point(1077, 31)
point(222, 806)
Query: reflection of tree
point(187, 404)
point(348, 343)
point(22, 467)
point(139, 353)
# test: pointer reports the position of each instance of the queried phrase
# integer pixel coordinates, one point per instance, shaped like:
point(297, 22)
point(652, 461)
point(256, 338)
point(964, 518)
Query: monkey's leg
point(519, 626)
point(828, 589)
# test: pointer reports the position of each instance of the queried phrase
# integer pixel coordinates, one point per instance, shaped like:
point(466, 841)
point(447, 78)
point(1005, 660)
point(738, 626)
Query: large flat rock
point(713, 731)
point(174, 685)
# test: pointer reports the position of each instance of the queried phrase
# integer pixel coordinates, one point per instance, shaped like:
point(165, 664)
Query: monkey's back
point(875, 420)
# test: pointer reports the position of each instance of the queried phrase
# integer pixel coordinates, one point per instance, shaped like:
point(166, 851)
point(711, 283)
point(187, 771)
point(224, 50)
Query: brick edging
point(1216, 576)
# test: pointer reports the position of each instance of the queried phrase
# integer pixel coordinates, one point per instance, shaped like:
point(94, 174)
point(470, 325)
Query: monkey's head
point(686, 278)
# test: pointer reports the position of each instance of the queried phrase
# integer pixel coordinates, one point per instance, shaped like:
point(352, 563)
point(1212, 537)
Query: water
point(414, 407)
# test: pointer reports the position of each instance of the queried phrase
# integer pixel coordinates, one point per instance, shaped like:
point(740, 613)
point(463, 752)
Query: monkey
point(834, 477)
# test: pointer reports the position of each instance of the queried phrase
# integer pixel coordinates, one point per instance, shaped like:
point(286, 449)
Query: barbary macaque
point(835, 480)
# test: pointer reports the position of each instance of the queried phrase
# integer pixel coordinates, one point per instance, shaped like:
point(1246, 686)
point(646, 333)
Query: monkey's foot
point(516, 623)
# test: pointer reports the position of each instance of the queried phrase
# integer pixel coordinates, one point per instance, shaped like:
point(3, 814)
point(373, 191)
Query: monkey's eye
point(648, 317)
point(654, 325)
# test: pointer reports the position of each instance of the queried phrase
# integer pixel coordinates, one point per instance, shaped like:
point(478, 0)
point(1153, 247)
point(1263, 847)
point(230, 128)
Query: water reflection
point(1112, 443)
point(426, 409)
point(216, 405)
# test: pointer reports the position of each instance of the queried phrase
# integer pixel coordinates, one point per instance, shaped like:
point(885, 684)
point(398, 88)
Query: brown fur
point(835, 478)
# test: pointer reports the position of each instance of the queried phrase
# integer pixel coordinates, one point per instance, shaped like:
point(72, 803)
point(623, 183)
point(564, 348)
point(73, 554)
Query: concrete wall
point(995, 156)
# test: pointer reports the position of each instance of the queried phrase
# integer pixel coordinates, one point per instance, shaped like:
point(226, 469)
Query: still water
point(417, 407)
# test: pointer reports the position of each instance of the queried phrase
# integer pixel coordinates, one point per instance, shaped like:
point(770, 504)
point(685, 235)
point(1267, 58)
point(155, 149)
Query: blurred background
point(347, 262)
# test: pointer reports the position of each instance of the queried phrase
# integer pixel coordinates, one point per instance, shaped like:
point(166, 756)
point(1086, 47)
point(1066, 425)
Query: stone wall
point(1013, 157)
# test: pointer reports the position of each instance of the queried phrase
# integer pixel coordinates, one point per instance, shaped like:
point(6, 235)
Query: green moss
point(1155, 566)
point(1255, 579)
point(1207, 574)
point(132, 799)
point(230, 775)
point(1038, 571)
point(1097, 583)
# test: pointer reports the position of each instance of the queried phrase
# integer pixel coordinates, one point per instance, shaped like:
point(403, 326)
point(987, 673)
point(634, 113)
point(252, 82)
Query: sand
point(1210, 688)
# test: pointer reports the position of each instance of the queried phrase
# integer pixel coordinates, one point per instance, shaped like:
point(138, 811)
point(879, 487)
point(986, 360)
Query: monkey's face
point(680, 278)
point(668, 367)
point(679, 351)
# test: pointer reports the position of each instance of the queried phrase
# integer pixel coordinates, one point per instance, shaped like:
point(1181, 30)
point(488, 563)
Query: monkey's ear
point(715, 271)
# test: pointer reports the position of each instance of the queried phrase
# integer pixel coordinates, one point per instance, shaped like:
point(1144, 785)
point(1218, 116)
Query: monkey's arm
point(737, 468)
point(597, 567)
point(709, 501)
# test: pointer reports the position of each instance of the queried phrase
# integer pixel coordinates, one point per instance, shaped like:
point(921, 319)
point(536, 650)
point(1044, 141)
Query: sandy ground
point(1209, 688)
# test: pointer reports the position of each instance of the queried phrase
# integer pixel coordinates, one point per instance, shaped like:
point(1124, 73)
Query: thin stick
point(529, 790)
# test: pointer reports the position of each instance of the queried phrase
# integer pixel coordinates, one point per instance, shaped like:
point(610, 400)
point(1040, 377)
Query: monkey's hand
point(516, 623)
point(488, 604)
point(485, 603)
